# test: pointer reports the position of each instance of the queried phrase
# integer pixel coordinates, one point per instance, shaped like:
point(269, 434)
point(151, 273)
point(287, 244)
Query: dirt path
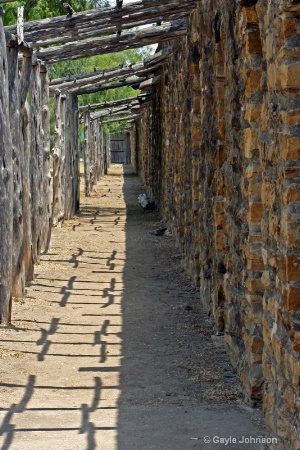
point(110, 349)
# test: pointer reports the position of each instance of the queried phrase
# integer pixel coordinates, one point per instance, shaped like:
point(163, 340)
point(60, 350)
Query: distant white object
point(143, 200)
point(145, 203)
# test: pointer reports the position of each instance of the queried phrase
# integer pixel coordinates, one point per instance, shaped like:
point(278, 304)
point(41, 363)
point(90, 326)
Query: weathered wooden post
point(58, 159)
point(76, 154)
point(18, 270)
point(46, 195)
point(86, 154)
point(6, 187)
point(25, 151)
point(36, 167)
point(71, 157)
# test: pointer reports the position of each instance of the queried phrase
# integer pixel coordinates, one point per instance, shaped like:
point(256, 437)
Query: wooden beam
point(100, 21)
point(121, 119)
point(20, 25)
point(90, 90)
point(111, 73)
point(150, 82)
point(111, 112)
point(114, 103)
point(100, 76)
point(120, 75)
point(111, 104)
point(112, 44)
point(96, 31)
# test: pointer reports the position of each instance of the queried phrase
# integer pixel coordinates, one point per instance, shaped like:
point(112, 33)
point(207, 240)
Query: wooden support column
point(71, 158)
point(18, 271)
point(6, 187)
point(46, 193)
point(58, 160)
point(87, 154)
point(94, 153)
point(25, 152)
point(76, 159)
point(36, 166)
point(99, 151)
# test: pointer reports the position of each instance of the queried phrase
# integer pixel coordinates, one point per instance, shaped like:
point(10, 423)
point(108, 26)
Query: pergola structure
point(32, 199)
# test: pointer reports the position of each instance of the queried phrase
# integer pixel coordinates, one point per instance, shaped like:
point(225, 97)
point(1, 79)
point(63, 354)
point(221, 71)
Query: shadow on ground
point(111, 349)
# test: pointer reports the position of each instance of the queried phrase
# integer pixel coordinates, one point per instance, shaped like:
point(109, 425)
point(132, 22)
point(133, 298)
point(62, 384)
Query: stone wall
point(219, 150)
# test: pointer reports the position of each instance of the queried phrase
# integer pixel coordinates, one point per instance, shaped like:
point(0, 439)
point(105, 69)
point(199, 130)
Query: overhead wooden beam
point(96, 31)
point(130, 118)
point(158, 57)
point(150, 82)
point(99, 88)
point(112, 44)
point(114, 103)
point(102, 20)
point(111, 112)
point(101, 76)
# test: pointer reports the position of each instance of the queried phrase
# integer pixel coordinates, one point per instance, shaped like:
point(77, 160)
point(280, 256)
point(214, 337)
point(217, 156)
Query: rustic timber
point(20, 25)
point(150, 82)
point(46, 198)
point(113, 103)
point(99, 21)
point(18, 271)
point(69, 9)
point(58, 160)
point(121, 119)
point(71, 173)
point(139, 69)
point(111, 112)
point(95, 31)
point(25, 149)
point(87, 155)
point(112, 44)
point(6, 187)
point(98, 88)
point(36, 166)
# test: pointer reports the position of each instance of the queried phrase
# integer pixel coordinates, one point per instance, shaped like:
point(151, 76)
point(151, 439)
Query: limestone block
point(253, 171)
point(254, 285)
point(253, 112)
point(288, 76)
point(267, 194)
point(250, 141)
point(291, 172)
point(255, 213)
point(289, 118)
point(293, 298)
point(292, 194)
point(253, 43)
point(253, 82)
point(290, 228)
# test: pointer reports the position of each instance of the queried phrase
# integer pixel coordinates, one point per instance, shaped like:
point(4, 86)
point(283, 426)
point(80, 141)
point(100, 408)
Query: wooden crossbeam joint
point(69, 9)
point(119, 4)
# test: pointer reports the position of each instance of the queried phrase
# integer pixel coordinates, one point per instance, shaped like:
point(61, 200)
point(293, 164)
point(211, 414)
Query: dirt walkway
point(110, 349)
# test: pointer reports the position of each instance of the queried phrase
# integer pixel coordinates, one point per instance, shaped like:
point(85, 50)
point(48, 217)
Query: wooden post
point(20, 25)
point(86, 154)
point(36, 167)
point(71, 187)
point(6, 187)
point(46, 195)
point(25, 152)
point(76, 159)
point(58, 160)
point(18, 271)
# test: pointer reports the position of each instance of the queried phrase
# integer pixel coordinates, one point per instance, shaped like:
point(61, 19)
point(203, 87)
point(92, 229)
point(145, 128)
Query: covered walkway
point(110, 349)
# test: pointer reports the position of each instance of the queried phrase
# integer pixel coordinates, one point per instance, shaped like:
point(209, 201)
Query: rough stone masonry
point(219, 151)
